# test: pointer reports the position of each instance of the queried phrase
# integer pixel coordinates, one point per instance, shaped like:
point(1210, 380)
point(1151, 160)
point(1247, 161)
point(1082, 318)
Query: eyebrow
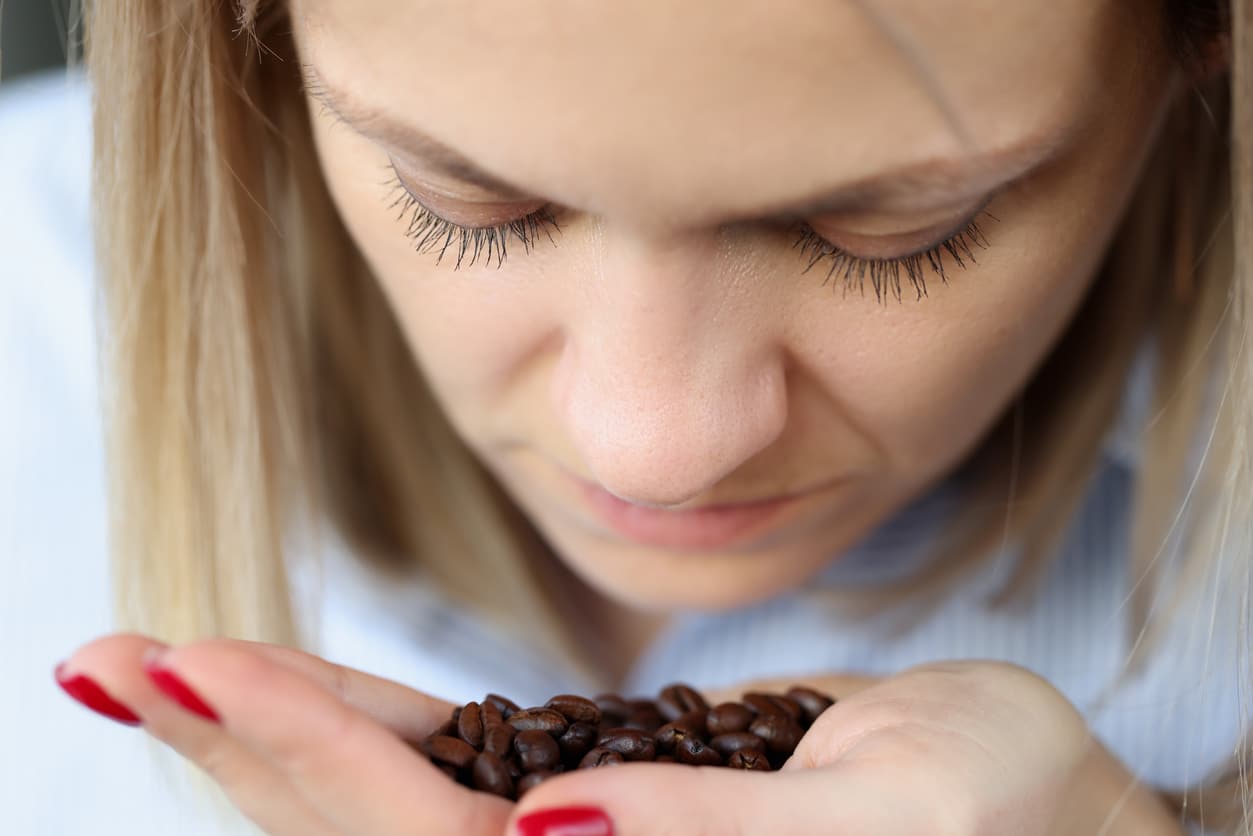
point(935, 177)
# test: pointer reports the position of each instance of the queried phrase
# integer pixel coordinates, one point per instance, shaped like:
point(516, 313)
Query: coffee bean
point(613, 709)
point(731, 742)
point(498, 739)
point(669, 735)
point(644, 716)
point(492, 715)
point(728, 717)
point(773, 704)
point(450, 750)
point(470, 725)
point(578, 740)
point(506, 707)
point(490, 774)
point(691, 750)
point(812, 702)
point(532, 780)
point(678, 699)
point(537, 750)
point(575, 709)
point(780, 732)
point(599, 757)
point(632, 744)
point(749, 759)
point(539, 719)
point(519, 748)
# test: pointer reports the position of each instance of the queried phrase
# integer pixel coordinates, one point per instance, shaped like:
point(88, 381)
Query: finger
point(356, 774)
point(408, 713)
point(258, 790)
point(643, 799)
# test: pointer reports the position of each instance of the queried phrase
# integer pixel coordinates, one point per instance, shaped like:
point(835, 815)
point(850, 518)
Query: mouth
point(699, 529)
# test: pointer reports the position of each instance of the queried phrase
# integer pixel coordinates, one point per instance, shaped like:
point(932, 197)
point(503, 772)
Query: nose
point(669, 377)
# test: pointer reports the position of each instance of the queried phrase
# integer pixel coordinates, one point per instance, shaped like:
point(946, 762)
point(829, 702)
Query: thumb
point(646, 799)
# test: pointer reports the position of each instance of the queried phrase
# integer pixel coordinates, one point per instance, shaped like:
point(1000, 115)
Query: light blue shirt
point(67, 771)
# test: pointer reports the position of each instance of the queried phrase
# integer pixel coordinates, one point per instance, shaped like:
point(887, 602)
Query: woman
point(684, 340)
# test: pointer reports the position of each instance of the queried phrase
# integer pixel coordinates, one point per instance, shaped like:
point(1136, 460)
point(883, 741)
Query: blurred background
point(32, 36)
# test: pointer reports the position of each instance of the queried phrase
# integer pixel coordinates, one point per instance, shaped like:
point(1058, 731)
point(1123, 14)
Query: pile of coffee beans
point(497, 747)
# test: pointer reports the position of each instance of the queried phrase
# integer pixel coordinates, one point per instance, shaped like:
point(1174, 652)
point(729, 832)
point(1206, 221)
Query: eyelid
point(913, 241)
point(462, 210)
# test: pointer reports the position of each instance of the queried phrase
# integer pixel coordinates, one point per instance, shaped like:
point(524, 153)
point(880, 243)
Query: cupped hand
point(944, 749)
point(302, 747)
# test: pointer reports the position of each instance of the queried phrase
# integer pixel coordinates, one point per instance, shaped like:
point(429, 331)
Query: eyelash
point(429, 231)
point(885, 273)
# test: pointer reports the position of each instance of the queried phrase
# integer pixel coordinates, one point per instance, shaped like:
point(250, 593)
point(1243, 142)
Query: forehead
point(651, 106)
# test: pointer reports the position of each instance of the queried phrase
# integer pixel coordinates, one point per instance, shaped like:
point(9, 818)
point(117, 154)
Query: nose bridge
point(668, 380)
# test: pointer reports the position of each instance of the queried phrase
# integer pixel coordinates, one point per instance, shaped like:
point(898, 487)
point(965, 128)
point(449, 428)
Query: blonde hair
point(258, 382)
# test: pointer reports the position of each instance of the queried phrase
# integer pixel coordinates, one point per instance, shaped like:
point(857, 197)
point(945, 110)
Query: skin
point(667, 345)
point(669, 348)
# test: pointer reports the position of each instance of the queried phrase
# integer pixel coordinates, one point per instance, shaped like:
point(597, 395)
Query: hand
point(945, 749)
point(301, 746)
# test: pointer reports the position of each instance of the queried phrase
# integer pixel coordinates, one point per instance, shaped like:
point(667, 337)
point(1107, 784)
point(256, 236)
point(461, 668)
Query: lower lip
point(702, 528)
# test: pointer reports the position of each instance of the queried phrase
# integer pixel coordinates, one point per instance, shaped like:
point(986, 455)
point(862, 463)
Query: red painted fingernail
point(85, 690)
point(566, 821)
point(177, 690)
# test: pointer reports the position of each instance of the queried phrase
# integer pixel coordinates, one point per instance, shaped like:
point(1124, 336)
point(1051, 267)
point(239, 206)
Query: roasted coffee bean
point(539, 719)
point(505, 706)
point(780, 732)
point(613, 709)
point(669, 735)
point(599, 757)
point(470, 725)
point(490, 774)
point(492, 715)
point(773, 704)
point(632, 744)
point(578, 740)
point(728, 717)
point(691, 750)
point(731, 742)
point(519, 748)
point(678, 699)
point(532, 780)
point(694, 720)
point(812, 702)
point(749, 759)
point(643, 716)
point(575, 709)
point(537, 750)
point(450, 750)
point(498, 739)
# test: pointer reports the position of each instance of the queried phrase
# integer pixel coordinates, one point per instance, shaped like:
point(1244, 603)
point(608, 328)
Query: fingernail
point(176, 689)
point(566, 821)
point(85, 690)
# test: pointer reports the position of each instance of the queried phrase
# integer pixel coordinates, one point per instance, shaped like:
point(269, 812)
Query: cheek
point(924, 381)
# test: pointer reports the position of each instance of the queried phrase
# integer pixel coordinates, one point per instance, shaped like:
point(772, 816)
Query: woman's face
point(633, 342)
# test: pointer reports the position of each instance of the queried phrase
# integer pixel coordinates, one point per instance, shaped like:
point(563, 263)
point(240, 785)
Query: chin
point(654, 579)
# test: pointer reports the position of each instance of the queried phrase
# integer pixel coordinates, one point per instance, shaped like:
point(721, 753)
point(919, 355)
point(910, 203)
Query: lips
point(706, 528)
